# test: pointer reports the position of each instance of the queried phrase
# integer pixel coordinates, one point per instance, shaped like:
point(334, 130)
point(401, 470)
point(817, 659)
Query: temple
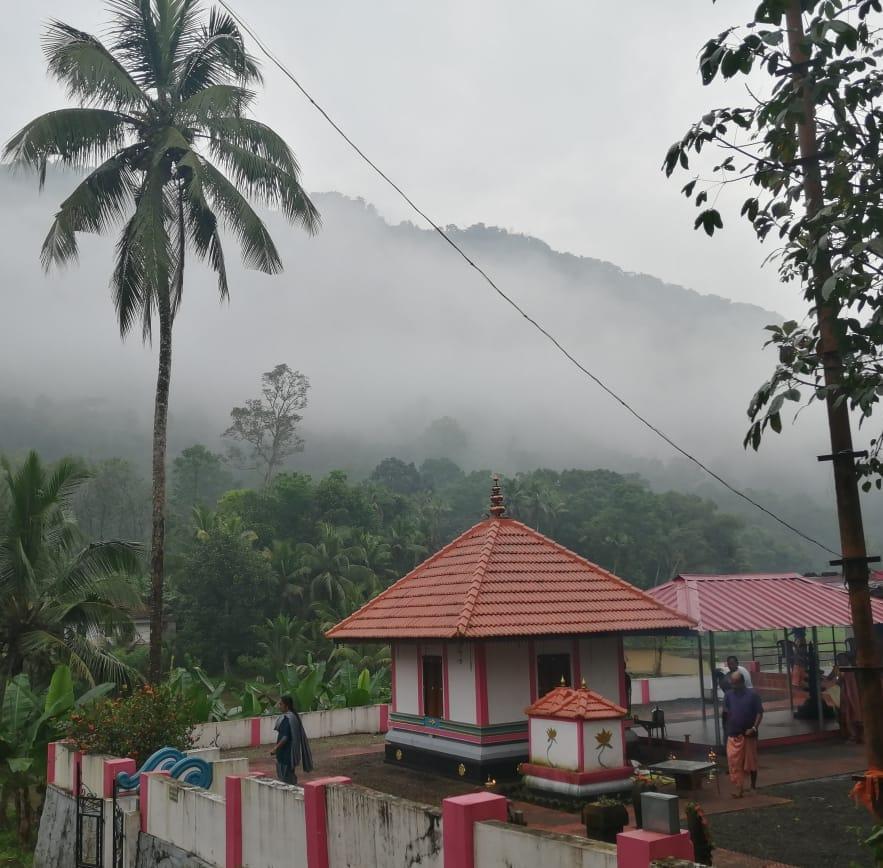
point(485, 627)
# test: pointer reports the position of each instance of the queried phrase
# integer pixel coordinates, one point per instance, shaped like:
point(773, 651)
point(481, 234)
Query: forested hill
point(393, 331)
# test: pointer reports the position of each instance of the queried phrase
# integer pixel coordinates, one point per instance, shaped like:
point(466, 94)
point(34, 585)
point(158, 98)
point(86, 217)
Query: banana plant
point(26, 727)
point(197, 689)
point(350, 687)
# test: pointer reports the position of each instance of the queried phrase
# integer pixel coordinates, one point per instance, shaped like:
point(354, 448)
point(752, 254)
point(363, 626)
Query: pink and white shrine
point(576, 742)
point(485, 627)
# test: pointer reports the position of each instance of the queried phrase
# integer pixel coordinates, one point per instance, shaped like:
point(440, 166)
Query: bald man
point(743, 712)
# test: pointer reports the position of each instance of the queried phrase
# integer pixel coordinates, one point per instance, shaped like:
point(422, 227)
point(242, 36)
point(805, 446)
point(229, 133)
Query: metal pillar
point(751, 635)
point(817, 676)
point(788, 666)
point(701, 675)
point(715, 700)
point(834, 643)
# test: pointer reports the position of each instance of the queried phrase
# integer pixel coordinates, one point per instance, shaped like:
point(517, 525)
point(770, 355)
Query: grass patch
point(11, 855)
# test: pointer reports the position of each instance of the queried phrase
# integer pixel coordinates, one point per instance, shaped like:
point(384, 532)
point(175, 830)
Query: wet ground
point(801, 815)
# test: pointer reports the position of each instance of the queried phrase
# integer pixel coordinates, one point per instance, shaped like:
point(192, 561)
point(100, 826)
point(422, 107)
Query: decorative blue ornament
point(190, 769)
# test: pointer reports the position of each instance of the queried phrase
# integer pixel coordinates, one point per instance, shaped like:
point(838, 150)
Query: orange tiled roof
point(575, 704)
point(500, 578)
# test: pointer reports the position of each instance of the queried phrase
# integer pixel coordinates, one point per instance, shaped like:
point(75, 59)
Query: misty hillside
point(394, 331)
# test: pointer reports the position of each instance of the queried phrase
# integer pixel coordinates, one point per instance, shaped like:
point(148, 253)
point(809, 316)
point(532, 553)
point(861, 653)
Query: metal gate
point(119, 830)
point(89, 841)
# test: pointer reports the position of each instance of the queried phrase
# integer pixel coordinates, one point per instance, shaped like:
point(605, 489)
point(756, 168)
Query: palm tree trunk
point(157, 539)
point(167, 303)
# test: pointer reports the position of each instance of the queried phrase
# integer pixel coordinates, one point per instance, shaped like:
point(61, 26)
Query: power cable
point(510, 301)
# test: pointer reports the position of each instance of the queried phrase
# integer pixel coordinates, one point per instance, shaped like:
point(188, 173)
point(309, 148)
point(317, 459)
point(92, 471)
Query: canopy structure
point(758, 601)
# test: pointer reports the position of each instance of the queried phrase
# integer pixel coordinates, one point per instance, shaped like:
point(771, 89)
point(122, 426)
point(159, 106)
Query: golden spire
point(497, 508)
point(583, 684)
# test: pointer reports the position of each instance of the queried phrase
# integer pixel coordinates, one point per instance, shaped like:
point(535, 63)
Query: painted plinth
point(577, 743)
point(639, 848)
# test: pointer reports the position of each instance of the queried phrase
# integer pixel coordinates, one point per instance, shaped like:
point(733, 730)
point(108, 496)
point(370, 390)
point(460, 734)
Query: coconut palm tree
point(60, 596)
point(333, 567)
point(164, 113)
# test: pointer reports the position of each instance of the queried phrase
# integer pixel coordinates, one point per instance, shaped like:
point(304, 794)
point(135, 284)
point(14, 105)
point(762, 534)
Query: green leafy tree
point(199, 478)
point(332, 566)
point(397, 476)
point(809, 146)
point(164, 112)
point(114, 503)
point(280, 641)
point(269, 424)
point(225, 587)
point(337, 502)
point(60, 594)
point(438, 474)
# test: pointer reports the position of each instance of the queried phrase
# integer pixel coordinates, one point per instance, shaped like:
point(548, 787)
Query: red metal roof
point(500, 578)
point(575, 704)
point(758, 601)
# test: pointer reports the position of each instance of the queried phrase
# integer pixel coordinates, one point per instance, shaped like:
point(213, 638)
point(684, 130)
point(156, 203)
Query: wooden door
point(433, 687)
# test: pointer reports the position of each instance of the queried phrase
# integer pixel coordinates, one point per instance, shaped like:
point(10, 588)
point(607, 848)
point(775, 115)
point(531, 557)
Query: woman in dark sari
point(292, 746)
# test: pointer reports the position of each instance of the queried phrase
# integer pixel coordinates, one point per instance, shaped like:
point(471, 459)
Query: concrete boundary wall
point(188, 817)
point(250, 821)
point(366, 827)
point(667, 688)
point(274, 830)
point(254, 731)
point(500, 845)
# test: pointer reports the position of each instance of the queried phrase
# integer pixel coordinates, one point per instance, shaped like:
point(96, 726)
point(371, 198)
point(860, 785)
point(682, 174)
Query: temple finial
point(497, 508)
point(563, 682)
point(584, 685)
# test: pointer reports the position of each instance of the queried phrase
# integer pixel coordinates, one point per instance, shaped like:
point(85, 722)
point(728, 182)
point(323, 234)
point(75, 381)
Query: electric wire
point(508, 299)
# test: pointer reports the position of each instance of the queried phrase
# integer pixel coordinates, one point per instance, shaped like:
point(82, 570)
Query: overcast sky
point(549, 118)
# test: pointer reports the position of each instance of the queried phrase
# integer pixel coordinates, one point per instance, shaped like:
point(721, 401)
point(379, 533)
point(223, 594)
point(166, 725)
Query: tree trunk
point(167, 303)
point(849, 512)
point(157, 539)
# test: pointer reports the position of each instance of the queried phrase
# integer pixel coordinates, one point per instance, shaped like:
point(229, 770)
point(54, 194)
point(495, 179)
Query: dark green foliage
point(199, 478)
point(134, 725)
point(394, 474)
point(59, 591)
point(225, 586)
point(831, 249)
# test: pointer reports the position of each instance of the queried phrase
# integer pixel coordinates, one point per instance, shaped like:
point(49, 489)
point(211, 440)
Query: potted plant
point(605, 819)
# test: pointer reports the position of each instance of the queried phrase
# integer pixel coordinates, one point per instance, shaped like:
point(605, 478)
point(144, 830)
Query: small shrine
point(577, 743)
point(484, 628)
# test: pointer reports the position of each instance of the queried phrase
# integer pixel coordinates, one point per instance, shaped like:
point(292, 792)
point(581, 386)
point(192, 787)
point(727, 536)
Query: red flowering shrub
point(134, 725)
point(700, 834)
